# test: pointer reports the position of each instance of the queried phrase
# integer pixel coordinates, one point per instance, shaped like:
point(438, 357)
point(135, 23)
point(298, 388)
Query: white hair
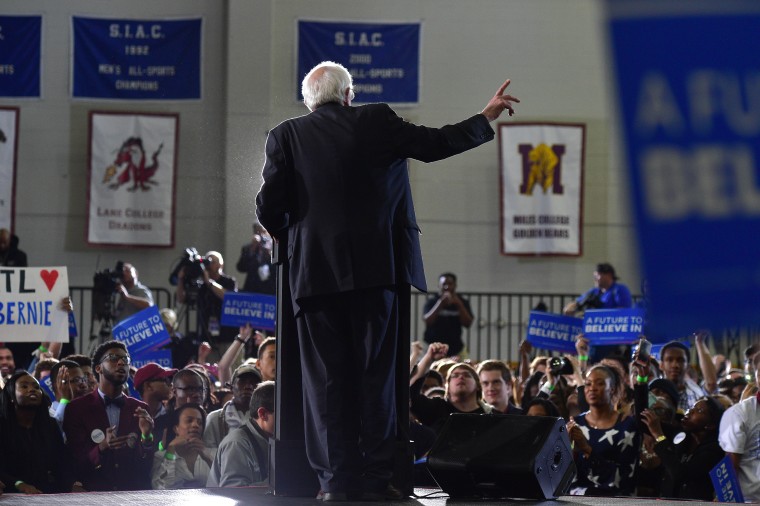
point(327, 82)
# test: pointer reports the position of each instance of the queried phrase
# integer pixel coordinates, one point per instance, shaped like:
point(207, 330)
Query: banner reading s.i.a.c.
point(136, 59)
point(383, 58)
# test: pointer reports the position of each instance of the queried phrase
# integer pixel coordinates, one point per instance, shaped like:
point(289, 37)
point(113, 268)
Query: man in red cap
point(154, 384)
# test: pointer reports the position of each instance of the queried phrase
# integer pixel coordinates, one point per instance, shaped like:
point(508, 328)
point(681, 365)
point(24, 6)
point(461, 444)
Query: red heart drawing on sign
point(49, 277)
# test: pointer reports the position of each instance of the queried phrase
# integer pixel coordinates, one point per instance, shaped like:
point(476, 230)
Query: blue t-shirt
point(617, 296)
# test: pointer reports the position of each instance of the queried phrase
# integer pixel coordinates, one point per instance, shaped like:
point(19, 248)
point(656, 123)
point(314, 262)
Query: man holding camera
point(133, 295)
point(606, 294)
point(210, 298)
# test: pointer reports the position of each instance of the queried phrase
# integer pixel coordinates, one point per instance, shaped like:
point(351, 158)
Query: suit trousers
point(348, 346)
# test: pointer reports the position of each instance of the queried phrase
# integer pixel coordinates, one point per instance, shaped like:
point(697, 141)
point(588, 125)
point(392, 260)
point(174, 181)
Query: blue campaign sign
point(160, 357)
point(72, 326)
point(383, 58)
point(131, 59)
point(687, 84)
point(549, 331)
point(20, 61)
point(46, 384)
point(613, 326)
point(141, 332)
point(257, 309)
point(725, 482)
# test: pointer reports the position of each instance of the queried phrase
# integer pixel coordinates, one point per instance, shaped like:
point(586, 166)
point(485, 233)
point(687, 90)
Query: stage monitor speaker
point(502, 456)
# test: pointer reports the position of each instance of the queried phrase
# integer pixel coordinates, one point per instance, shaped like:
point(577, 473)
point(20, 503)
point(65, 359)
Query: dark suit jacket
point(126, 469)
point(336, 180)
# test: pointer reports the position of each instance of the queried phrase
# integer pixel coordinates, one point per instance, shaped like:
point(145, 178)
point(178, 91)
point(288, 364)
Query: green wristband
point(42, 349)
point(583, 358)
point(64, 401)
point(170, 456)
point(642, 379)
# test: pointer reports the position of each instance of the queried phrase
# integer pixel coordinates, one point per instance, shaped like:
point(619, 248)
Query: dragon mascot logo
point(131, 158)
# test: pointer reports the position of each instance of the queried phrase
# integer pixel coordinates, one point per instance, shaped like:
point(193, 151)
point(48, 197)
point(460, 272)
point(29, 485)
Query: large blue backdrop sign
point(136, 59)
point(383, 58)
point(20, 42)
point(688, 78)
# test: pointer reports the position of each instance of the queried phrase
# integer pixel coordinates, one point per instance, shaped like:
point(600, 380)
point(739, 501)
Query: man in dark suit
point(336, 184)
point(110, 434)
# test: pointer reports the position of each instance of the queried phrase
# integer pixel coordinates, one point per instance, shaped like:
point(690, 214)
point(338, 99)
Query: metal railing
point(499, 326)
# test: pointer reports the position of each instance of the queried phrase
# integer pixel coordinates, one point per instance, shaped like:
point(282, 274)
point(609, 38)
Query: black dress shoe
point(390, 493)
point(334, 497)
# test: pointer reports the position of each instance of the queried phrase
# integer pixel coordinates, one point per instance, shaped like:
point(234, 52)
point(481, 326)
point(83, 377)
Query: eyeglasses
point(112, 357)
point(192, 390)
point(456, 375)
point(78, 380)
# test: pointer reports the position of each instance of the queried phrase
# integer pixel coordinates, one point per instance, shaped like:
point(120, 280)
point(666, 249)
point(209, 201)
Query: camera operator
point(606, 294)
point(256, 262)
point(209, 304)
point(133, 295)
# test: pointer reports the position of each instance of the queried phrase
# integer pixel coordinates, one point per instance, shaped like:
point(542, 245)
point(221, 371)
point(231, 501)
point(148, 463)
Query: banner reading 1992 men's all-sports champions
point(157, 59)
point(132, 177)
point(541, 188)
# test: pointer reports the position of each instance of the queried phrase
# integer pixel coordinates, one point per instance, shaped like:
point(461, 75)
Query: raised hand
point(499, 103)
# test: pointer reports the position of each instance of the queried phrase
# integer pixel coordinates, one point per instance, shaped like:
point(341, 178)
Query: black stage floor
point(261, 496)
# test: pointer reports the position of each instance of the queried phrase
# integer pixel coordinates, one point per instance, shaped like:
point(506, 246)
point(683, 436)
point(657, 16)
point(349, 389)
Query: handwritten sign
point(30, 300)
point(254, 308)
point(725, 482)
point(142, 332)
point(613, 326)
point(554, 332)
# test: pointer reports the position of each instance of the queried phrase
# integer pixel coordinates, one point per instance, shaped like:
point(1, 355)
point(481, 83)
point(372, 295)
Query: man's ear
point(262, 414)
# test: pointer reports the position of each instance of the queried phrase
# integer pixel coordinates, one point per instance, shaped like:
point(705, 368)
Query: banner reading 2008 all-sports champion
point(136, 59)
point(132, 163)
point(541, 188)
point(383, 58)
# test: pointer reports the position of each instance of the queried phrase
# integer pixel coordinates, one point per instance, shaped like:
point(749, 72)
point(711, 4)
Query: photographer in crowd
point(133, 295)
point(256, 262)
point(209, 302)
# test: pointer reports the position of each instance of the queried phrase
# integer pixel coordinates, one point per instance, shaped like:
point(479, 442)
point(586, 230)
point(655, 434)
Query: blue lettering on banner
point(72, 326)
point(553, 332)
point(46, 384)
point(613, 326)
point(383, 58)
point(725, 482)
point(26, 313)
point(137, 59)
point(691, 123)
point(160, 357)
point(20, 60)
point(255, 308)
point(141, 332)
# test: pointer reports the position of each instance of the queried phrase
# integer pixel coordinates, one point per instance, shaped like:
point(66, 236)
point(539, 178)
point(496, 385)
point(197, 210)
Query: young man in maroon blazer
point(109, 433)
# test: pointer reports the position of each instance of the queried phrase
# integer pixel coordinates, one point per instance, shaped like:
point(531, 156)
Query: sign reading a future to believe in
point(687, 77)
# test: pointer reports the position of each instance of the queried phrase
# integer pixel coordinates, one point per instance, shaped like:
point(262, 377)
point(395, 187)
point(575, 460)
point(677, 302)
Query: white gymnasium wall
point(553, 50)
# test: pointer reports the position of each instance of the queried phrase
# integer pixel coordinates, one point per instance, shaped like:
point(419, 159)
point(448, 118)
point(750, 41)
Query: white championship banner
point(132, 167)
point(8, 141)
point(541, 188)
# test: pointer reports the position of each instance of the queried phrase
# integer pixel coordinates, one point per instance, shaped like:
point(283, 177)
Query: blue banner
point(687, 85)
point(383, 58)
point(160, 357)
point(130, 59)
point(554, 332)
point(20, 61)
point(141, 332)
point(613, 326)
point(725, 482)
point(72, 326)
point(254, 308)
point(46, 384)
